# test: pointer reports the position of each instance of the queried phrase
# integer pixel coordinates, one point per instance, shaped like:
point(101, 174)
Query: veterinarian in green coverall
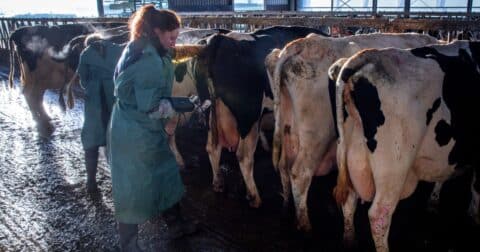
point(145, 177)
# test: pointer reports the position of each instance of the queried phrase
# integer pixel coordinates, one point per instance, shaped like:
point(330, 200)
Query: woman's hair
point(145, 19)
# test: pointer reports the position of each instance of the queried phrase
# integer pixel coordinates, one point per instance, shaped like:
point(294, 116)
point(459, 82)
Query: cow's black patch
point(461, 93)
point(435, 106)
point(365, 97)
point(200, 76)
point(424, 52)
point(284, 34)
point(347, 73)
point(32, 41)
point(180, 71)
point(443, 133)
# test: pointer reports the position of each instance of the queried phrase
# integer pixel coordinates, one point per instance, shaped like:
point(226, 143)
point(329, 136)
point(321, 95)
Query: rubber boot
point(128, 237)
point(178, 225)
point(91, 161)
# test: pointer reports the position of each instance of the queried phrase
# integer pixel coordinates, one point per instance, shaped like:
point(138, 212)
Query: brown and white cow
point(36, 48)
point(304, 141)
point(404, 116)
point(233, 68)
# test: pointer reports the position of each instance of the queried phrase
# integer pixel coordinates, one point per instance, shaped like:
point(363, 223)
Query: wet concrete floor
point(44, 205)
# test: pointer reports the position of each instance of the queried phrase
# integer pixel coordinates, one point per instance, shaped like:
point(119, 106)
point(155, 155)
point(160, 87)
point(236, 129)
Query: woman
point(145, 177)
point(96, 65)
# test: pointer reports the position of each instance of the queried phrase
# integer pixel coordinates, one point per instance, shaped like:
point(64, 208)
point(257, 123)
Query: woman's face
point(167, 38)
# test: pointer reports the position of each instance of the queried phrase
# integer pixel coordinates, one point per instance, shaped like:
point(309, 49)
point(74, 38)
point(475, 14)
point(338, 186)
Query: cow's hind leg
point(348, 209)
point(34, 98)
point(214, 153)
point(301, 178)
point(245, 155)
point(283, 169)
point(391, 182)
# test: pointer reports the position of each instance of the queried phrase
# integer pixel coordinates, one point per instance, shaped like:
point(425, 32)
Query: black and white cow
point(304, 143)
point(232, 67)
point(404, 116)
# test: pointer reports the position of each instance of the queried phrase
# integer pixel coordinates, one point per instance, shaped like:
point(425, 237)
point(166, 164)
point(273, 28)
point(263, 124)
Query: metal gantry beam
point(101, 13)
point(469, 8)
point(406, 8)
point(293, 5)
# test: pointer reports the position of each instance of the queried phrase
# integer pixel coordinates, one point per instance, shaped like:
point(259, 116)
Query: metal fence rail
point(254, 20)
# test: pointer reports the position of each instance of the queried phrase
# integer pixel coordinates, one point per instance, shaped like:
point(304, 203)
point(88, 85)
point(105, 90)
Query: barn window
point(248, 5)
point(476, 6)
point(438, 5)
point(338, 5)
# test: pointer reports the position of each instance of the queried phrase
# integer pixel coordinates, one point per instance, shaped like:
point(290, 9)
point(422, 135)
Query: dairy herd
point(385, 110)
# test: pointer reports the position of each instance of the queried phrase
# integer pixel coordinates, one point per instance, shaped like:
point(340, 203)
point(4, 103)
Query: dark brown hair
point(145, 19)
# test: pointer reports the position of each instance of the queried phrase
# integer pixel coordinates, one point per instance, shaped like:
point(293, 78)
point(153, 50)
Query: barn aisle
point(44, 205)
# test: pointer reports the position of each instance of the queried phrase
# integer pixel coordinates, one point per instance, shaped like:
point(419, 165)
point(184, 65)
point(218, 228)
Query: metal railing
point(247, 21)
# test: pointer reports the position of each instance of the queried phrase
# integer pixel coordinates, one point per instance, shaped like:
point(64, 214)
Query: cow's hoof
point(349, 243)
point(254, 202)
point(304, 227)
point(218, 186)
point(45, 130)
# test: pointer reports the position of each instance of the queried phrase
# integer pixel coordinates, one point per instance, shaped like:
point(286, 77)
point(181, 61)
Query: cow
point(35, 47)
point(404, 116)
point(232, 67)
point(186, 84)
point(304, 142)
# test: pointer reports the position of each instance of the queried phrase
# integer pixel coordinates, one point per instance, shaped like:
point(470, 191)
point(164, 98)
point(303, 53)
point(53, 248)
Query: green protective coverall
point(145, 176)
point(96, 66)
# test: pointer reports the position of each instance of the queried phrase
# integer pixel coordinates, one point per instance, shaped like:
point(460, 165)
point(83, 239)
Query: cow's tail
point(289, 51)
point(69, 91)
point(344, 184)
point(11, 72)
point(271, 62)
point(343, 95)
